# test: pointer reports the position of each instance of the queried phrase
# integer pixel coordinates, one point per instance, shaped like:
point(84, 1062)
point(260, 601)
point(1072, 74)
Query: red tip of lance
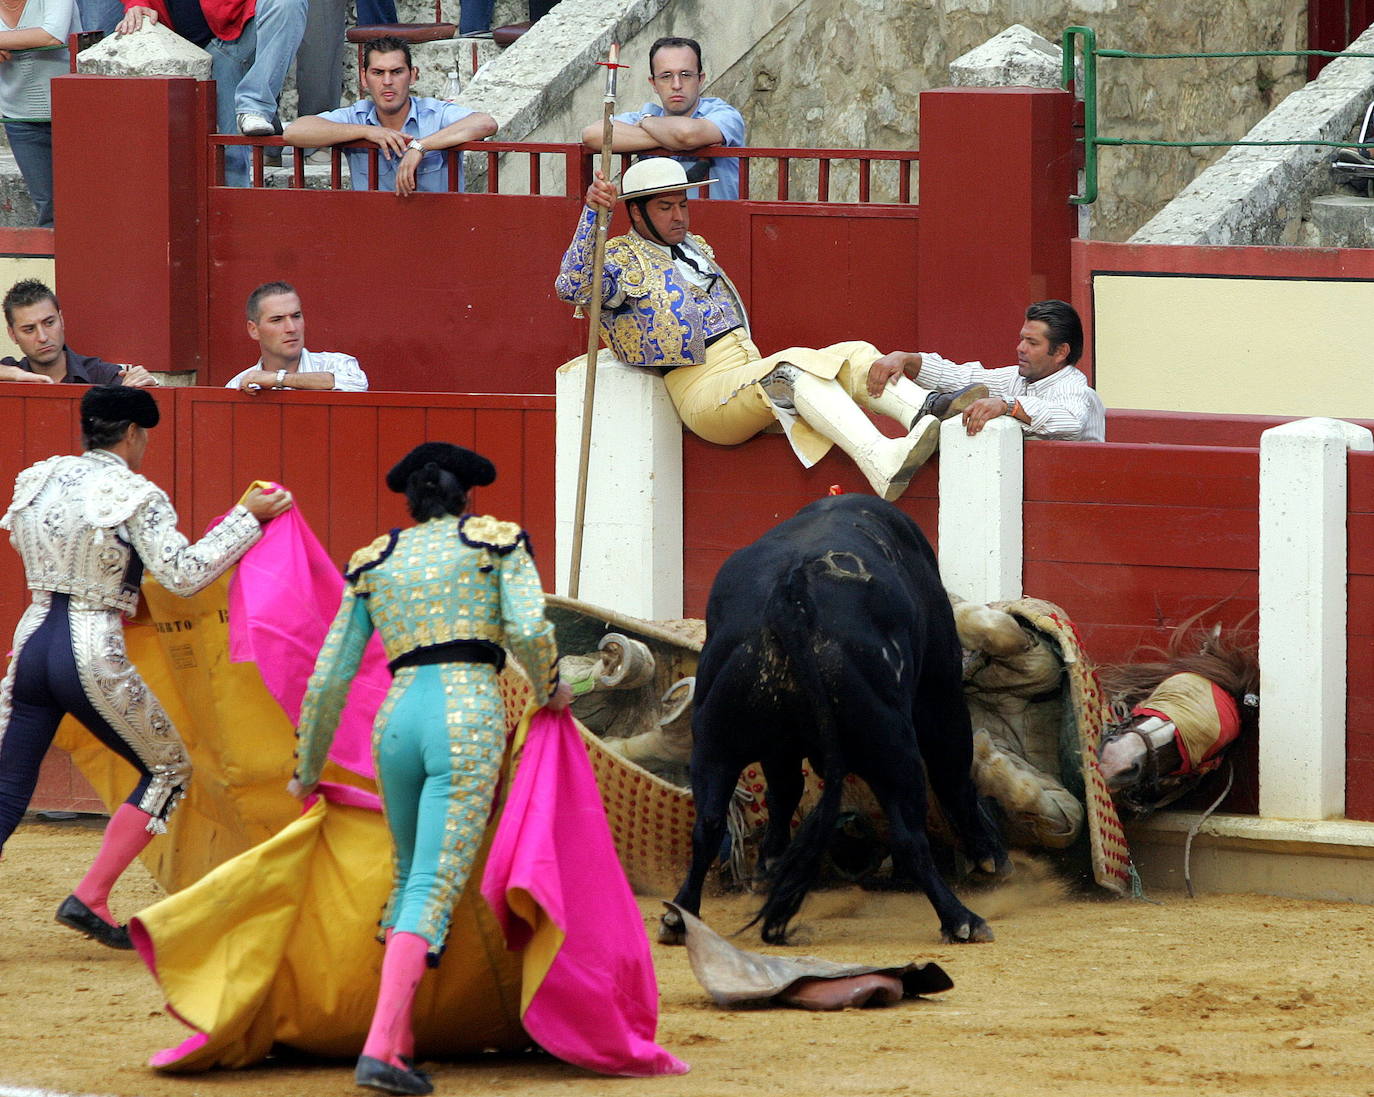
point(613, 58)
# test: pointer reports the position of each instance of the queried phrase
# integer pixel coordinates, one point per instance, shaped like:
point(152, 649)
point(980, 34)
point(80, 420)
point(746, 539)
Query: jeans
point(373, 12)
point(475, 15)
point(250, 70)
point(319, 61)
point(100, 14)
point(31, 143)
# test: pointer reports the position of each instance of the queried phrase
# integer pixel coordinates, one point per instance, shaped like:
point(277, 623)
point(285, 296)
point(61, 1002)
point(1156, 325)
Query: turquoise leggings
point(437, 743)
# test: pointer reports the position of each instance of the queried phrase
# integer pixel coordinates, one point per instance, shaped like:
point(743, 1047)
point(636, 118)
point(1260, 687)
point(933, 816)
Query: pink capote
point(282, 600)
point(597, 1005)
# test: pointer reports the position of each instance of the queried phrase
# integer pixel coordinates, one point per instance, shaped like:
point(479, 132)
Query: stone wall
point(847, 74)
point(1257, 194)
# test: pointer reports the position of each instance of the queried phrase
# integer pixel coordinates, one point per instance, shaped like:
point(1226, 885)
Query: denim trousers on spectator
point(372, 12)
point(249, 72)
point(31, 143)
point(475, 15)
point(100, 14)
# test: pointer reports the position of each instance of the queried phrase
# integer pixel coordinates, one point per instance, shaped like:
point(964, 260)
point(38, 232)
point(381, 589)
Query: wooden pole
point(603, 218)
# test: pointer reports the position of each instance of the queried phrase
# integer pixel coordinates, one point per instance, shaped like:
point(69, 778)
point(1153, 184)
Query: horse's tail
point(791, 617)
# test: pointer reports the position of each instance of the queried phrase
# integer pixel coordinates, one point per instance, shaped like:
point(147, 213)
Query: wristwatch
point(415, 146)
point(281, 379)
point(1011, 404)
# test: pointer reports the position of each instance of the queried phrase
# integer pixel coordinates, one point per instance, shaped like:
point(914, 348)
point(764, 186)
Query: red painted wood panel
point(734, 494)
point(788, 310)
point(1186, 429)
point(332, 450)
point(484, 317)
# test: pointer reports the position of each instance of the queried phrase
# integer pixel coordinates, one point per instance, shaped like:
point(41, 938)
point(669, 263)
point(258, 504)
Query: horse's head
point(1169, 741)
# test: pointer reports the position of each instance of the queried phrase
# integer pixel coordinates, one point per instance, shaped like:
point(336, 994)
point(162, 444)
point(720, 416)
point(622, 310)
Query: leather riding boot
point(906, 401)
point(888, 463)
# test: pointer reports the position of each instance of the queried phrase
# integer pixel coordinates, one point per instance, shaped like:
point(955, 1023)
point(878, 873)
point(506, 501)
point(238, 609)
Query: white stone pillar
point(980, 510)
point(1302, 599)
point(632, 543)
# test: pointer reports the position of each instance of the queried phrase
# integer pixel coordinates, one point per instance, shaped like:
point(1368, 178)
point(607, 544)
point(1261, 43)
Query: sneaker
point(252, 124)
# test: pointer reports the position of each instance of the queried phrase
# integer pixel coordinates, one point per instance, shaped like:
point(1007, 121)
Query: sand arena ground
point(1077, 996)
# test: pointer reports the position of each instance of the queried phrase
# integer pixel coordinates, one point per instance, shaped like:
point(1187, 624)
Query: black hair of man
point(1062, 325)
point(674, 43)
point(108, 410)
point(436, 477)
point(28, 292)
point(267, 289)
point(387, 43)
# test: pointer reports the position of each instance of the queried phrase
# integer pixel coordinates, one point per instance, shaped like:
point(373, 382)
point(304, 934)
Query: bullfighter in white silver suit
point(86, 526)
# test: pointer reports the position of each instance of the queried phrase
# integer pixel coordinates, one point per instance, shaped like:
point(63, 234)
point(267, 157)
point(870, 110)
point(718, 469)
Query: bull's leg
point(785, 786)
point(945, 736)
point(904, 801)
point(713, 784)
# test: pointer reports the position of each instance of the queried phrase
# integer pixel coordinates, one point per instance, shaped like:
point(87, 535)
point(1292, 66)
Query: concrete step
point(1340, 221)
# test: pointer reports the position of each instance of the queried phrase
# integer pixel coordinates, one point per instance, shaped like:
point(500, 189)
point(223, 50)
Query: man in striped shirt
point(1043, 391)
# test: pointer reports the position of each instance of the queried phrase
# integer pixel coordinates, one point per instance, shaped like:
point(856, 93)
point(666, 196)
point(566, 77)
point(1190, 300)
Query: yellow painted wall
point(1240, 345)
point(14, 268)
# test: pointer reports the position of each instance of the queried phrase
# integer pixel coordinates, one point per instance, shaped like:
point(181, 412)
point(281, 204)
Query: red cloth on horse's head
point(1206, 718)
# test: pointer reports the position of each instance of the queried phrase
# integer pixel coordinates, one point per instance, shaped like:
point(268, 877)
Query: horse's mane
point(1229, 659)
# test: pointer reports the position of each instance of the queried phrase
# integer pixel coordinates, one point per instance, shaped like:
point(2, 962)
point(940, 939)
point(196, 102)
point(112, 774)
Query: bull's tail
point(791, 616)
point(800, 866)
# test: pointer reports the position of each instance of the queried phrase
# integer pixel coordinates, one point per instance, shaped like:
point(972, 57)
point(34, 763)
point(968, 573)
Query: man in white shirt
point(1043, 391)
point(276, 323)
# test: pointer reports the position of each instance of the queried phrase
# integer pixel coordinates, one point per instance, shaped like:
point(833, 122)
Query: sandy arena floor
point(1219, 995)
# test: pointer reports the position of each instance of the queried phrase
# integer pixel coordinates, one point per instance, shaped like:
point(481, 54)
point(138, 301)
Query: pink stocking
point(125, 836)
point(391, 1037)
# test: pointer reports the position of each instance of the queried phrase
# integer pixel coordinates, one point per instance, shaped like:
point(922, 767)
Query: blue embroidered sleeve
point(529, 634)
point(575, 275)
point(335, 668)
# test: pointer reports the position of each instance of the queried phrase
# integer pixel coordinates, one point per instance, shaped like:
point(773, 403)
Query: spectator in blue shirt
point(681, 121)
point(409, 131)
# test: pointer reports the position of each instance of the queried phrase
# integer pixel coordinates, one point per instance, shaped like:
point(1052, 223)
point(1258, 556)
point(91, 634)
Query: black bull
point(831, 638)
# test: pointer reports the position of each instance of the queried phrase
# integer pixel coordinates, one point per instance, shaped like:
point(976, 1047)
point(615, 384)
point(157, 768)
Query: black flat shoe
point(76, 914)
point(390, 1079)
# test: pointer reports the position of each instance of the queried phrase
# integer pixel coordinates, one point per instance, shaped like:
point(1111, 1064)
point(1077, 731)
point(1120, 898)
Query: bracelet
point(281, 379)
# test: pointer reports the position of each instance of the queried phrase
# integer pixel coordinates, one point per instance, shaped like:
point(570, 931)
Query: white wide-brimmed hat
point(655, 175)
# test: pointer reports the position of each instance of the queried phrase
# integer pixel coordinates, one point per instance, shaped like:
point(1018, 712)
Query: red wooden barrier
point(469, 305)
point(331, 449)
point(1359, 660)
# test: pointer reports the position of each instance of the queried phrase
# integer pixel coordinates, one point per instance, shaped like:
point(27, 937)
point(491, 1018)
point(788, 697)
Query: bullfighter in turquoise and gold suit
point(448, 596)
point(667, 305)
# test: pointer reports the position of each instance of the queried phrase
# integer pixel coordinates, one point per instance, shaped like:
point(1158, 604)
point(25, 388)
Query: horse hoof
point(671, 931)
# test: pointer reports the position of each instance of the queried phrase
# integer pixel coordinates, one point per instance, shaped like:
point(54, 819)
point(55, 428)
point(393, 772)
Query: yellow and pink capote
point(268, 935)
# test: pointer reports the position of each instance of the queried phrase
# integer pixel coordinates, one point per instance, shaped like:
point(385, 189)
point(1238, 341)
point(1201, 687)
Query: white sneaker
point(252, 124)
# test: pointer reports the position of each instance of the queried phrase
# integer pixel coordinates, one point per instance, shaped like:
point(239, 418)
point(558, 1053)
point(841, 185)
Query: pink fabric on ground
point(598, 1005)
point(282, 600)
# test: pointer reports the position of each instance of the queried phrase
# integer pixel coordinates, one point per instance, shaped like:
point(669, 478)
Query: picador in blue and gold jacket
point(668, 306)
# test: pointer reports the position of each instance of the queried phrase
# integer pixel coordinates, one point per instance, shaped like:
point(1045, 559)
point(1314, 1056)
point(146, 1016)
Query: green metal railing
point(1092, 140)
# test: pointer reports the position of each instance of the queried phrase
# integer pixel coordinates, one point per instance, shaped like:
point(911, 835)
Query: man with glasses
point(682, 120)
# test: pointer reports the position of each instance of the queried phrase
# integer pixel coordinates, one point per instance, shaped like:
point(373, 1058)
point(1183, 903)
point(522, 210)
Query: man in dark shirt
point(34, 319)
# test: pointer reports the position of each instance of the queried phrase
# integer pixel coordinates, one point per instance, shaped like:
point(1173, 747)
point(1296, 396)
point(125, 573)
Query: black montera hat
point(469, 468)
point(117, 404)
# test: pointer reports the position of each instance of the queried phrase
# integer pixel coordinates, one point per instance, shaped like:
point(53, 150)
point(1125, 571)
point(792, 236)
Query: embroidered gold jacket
point(651, 314)
point(444, 580)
